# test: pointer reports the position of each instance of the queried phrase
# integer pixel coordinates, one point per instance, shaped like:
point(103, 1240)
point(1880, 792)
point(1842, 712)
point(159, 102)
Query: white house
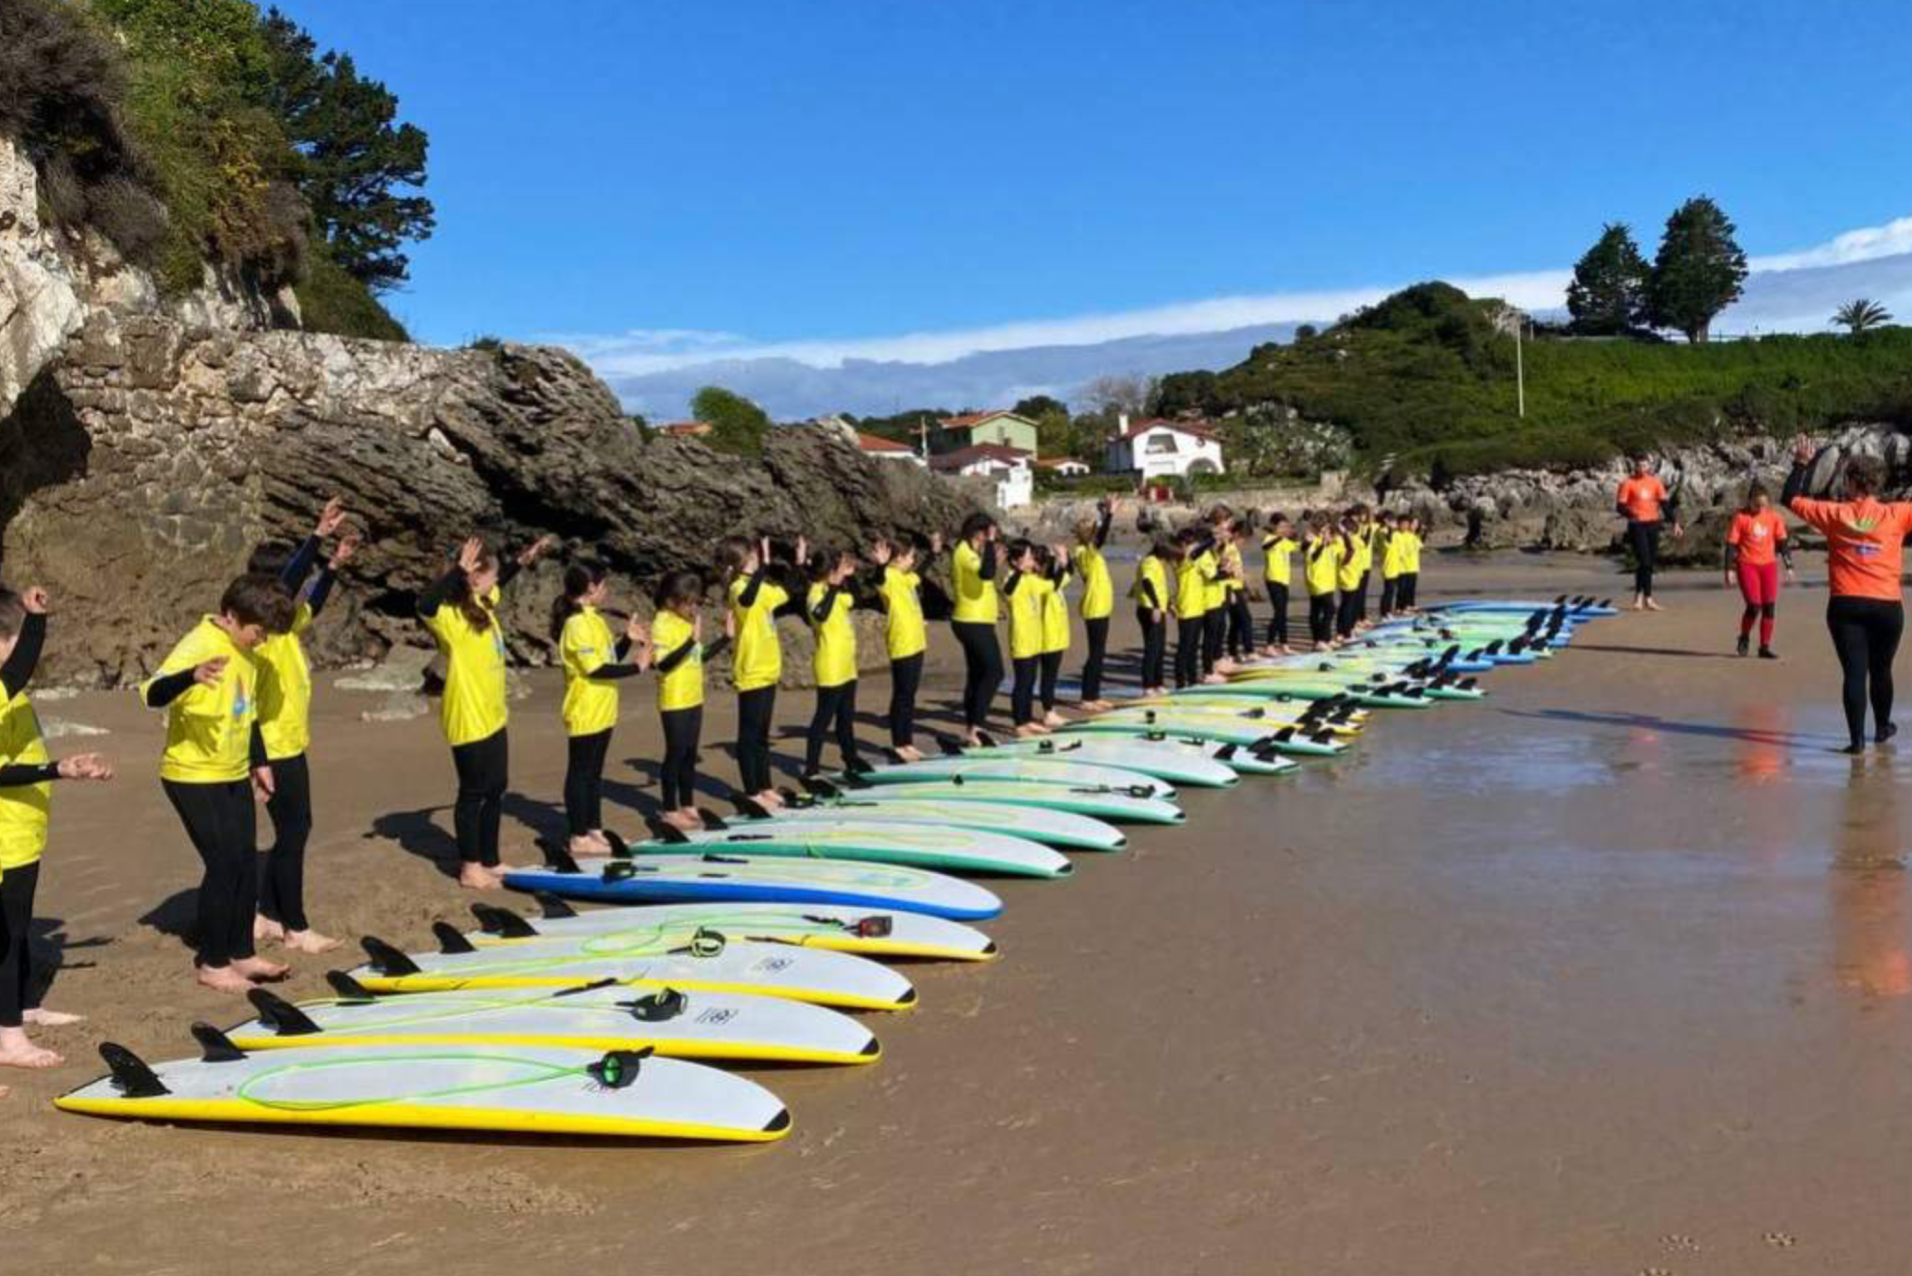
point(887, 449)
point(1064, 467)
point(1156, 449)
point(1008, 467)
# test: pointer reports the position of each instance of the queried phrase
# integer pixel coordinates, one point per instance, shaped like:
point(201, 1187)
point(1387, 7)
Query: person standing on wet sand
point(1865, 544)
point(460, 612)
point(27, 773)
point(209, 687)
point(1754, 543)
point(973, 570)
point(1645, 504)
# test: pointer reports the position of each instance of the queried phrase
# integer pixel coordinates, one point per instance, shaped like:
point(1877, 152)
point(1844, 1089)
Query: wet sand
point(1609, 973)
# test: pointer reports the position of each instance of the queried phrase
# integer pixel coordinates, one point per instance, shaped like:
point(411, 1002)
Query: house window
point(1164, 444)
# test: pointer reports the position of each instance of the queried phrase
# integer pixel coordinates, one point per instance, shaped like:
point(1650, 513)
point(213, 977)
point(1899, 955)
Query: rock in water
point(146, 463)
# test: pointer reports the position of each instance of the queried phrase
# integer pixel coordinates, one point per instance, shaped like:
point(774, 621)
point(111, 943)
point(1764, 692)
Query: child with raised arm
point(828, 606)
point(285, 720)
point(674, 646)
point(1098, 599)
point(209, 687)
point(1278, 546)
point(905, 635)
point(594, 663)
point(460, 612)
point(1053, 562)
point(758, 591)
point(27, 773)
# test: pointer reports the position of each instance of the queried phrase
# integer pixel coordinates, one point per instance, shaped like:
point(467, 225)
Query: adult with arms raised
point(973, 569)
point(1647, 507)
point(1865, 543)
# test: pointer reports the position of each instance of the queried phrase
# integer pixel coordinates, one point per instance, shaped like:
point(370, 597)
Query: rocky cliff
point(147, 451)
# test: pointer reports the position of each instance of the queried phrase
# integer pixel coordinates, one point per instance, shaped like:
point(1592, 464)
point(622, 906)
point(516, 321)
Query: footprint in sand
point(1781, 1240)
point(1656, 1271)
point(1675, 1240)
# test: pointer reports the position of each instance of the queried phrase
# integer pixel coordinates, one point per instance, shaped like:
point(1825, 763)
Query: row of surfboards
point(769, 937)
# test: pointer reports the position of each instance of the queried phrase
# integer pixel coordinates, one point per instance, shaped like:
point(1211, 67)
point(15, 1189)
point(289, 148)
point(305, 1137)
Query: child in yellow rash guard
point(828, 605)
point(1152, 597)
point(1321, 556)
point(1053, 562)
point(1278, 546)
point(1098, 599)
point(27, 773)
point(758, 591)
point(209, 687)
point(899, 591)
point(459, 612)
point(974, 567)
point(285, 720)
point(675, 648)
point(1241, 620)
point(1407, 595)
point(594, 663)
point(1351, 577)
point(1023, 591)
point(1390, 548)
point(1192, 578)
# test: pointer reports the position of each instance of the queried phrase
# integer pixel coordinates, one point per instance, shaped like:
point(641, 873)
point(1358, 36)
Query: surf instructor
point(1865, 543)
point(1645, 504)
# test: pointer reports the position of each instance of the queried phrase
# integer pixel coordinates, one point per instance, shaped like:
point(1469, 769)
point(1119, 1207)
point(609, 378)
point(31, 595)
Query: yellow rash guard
point(285, 690)
point(209, 729)
point(682, 686)
point(835, 662)
point(474, 706)
point(586, 645)
point(758, 661)
point(975, 597)
point(905, 631)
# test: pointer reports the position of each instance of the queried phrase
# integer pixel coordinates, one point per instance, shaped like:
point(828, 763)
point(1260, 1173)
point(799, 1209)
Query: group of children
point(1198, 577)
point(237, 688)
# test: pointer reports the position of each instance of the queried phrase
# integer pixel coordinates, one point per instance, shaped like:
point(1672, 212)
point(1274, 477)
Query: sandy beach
point(1606, 974)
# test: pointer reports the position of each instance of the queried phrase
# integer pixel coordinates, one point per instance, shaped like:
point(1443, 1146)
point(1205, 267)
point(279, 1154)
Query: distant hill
point(790, 389)
point(1427, 377)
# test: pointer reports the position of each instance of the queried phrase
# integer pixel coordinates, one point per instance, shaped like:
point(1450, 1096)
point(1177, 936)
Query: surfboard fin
point(665, 1003)
point(985, 739)
point(387, 960)
point(620, 848)
point(711, 819)
point(751, 808)
point(129, 1073)
point(667, 833)
point(950, 748)
point(1224, 753)
point(450, 942)
point(556, 858)
point(618, 1068)
point(502, 922)
point(280, 1015)
point(348, 988)
point(215, 1046)
point(552, 907)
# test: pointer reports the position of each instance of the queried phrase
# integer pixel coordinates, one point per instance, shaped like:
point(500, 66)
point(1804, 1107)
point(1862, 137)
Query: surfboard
point(705, 962)
point(674, 1023)
point(515, 1089)
point(1245, 732)
point(714, 878)
point(1128, 804)
point(1015, 770)
point(1161, 762)
point(1264, 712)
point(873, 933)
point(1038, 824)
point(847, 836)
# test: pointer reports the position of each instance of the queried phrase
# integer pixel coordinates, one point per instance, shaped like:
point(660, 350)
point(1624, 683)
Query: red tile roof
point(969, 421)
point(1180, 427)
point(877, 443)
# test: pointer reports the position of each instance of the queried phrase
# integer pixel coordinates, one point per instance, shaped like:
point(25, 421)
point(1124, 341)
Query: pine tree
point(1608, 294)
point(354, 157)
point(1698, 271)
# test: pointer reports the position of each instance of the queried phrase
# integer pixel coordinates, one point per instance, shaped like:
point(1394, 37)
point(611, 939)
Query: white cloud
point(1868, 243)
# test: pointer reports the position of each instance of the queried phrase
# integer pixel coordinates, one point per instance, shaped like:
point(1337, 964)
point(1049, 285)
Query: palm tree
point(1857, 316)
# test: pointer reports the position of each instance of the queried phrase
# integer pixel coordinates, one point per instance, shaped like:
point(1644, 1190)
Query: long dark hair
point(579, 580)
point(467, 602)
point(732, 553)
point(678, 589)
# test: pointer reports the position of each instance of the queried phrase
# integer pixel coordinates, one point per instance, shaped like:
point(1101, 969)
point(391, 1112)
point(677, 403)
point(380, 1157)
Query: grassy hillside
point(1427, 378)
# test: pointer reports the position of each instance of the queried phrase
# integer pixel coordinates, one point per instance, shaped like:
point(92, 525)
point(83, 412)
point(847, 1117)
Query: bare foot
point(909, 753)
point(223, 979)
point(266, 931)
point(261, 969)
point(310, 941)
point(17, 1051)
point(585, 844)
point(1653, 606)
point(476, 877)
point(1053, 719)
point(51, 1018)
point(601, 840)
point(686, 822)
point(1027, 730)
point(770, 798)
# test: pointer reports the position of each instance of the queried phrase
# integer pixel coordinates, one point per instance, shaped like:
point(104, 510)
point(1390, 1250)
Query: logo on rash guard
point(1861, 526)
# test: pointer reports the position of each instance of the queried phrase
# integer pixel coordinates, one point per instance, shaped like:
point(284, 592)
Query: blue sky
point(644, 176)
